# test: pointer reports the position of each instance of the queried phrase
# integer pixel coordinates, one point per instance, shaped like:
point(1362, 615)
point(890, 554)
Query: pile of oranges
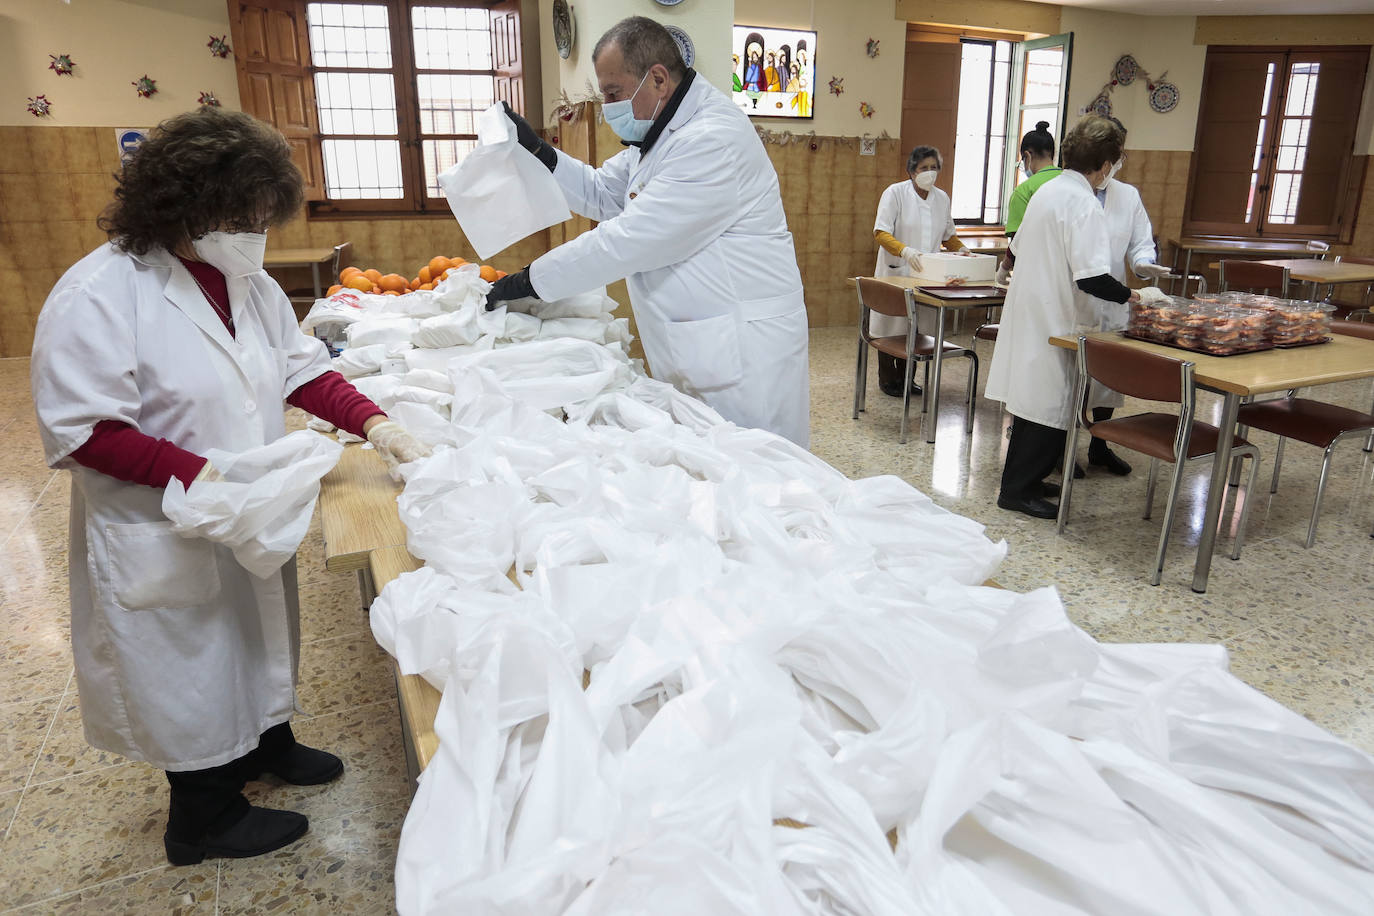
point(380, 284)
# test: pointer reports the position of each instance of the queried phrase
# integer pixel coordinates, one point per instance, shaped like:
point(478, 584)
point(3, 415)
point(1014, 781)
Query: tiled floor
point(80, 829)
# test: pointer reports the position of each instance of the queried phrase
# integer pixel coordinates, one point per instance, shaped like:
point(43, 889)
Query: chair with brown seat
point(1160, 436)
point(1363, 329)
point(1254, 276)
point(889, 299)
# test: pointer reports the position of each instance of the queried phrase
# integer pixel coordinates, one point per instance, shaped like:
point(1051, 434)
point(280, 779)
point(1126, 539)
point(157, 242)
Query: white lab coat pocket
point(704, 354)
point(150, 567)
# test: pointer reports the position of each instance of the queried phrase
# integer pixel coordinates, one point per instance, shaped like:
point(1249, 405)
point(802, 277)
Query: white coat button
point(249, 406)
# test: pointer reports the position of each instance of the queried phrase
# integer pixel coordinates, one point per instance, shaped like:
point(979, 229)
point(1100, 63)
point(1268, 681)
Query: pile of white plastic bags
point(712, 632)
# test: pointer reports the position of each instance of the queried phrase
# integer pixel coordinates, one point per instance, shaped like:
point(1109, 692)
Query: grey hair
point(643, 43)
point(923, 152)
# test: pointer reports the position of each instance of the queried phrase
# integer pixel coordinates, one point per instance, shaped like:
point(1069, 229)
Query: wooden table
point(302, 257)
point(417, 698)
point(1324, 273)
point(1250, 247)
point(987, 244)
point(1235, 377)
point(931, 399)
point(358, 515)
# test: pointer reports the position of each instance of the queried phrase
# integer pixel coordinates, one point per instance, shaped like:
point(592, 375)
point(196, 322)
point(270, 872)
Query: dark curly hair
point(199, 172)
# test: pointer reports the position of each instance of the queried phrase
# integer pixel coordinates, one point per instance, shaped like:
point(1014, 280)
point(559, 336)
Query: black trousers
point(1033, 453)
point(1097, 448)
point(211, 800)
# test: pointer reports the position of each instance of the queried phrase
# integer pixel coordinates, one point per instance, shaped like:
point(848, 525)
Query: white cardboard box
point(939, 267)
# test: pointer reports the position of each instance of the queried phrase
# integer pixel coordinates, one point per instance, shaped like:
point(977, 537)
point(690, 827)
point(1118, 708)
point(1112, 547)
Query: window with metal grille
point(1274, 154)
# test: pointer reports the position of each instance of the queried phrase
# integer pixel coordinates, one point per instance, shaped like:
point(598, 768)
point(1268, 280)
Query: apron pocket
point(151, 567)
point(705, 353)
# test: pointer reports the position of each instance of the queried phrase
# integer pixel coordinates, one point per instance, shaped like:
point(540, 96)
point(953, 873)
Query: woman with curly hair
point(166, 342)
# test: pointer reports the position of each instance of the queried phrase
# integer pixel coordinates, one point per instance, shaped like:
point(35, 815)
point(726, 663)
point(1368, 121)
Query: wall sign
point(129, 140)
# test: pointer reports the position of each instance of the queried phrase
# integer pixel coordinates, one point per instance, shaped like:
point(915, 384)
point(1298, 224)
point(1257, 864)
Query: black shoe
point(1111, 462)
point(304, 766)
point(1036, 508)
point(1049, 490)
point(260, 831)
point(1078, 473)
point(891, 390)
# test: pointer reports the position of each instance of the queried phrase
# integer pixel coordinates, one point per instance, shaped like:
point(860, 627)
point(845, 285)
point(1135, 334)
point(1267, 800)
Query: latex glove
point(912, 258)
point(1003, 275)
point(1151, 294)
point(526, 136)
point(1151, 269)
point(511, 286)
point(395, 445)
point(964, 252)
point(1135, 297)
point(207, 472)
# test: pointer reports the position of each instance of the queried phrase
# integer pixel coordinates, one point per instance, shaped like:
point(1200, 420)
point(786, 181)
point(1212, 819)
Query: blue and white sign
point(129, 140)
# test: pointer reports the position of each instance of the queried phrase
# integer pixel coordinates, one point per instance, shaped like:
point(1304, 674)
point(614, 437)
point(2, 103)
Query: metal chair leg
point(1169, 509)
point(1241, 432)
point(1150, 487)
point(1278, 463)
point(1065, 488)
point(860, 377)
point(1317, 502)
point(972, 391)
point(906, 398)
point(925, 386)
point(1245, 509)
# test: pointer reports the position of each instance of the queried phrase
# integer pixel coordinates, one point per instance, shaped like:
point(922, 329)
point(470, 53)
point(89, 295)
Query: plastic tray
point(1255, 348)
point(1305, 343)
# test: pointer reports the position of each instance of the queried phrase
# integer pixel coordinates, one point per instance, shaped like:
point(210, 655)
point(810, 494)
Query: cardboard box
point(938, 268)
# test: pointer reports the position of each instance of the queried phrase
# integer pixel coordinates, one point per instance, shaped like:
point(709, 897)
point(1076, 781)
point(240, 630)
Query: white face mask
point(621, 116)
point(926, 180)
point(1111, 173)
point(234, 254)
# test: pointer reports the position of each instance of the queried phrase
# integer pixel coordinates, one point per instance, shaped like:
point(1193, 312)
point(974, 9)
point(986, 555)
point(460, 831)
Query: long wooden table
point(1324, 273)
point(358, 515)
point(1249, 247)
point(1236, 377)
point(313, 258)
point(931, 399)
point(417, 698)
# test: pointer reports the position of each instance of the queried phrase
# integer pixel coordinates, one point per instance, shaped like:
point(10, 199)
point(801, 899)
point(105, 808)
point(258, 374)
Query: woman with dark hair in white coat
point(1063, 273)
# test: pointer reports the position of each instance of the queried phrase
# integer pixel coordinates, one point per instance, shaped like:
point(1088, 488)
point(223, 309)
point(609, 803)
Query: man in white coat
point(691, 215)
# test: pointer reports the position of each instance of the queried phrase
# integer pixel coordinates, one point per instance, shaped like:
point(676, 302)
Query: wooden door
point(930, 104)
point(505, 54)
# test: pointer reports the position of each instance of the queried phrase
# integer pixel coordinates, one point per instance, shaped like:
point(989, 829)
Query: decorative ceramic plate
point(564, 29)
point(1126, 70)
point(1101, 106)
point(1164, 97)
point(668, 3)
point(684, 44)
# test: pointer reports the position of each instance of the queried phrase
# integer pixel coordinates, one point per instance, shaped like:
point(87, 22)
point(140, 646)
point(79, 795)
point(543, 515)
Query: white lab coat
point(697, 227)
point(916, 223)
point(183, 657)
point(1063, 239)
point(1132, 243)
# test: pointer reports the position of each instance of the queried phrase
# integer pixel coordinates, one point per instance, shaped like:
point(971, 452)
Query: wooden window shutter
point(272, 53)
point(505, 54)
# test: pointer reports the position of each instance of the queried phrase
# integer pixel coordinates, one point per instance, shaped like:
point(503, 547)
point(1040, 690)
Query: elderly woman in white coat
point(1063, 273)
point(691, 216)
point(153, 349)
point(914, 218)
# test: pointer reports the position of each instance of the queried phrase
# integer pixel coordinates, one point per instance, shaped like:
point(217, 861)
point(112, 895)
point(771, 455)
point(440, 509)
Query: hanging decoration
point(813, 142)
point(145, 86)
point(40, 107)
point(569, 108)
point(207, 98)
point(871, 49)
point(219, 46)
point(866, 110)
point(62, 64)
point(836, 85)
point(1162, 94)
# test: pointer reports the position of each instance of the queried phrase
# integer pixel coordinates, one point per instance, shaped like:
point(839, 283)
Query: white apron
point(1063, 239)
point(183, 658)
point(916, 223)
point(696, 227)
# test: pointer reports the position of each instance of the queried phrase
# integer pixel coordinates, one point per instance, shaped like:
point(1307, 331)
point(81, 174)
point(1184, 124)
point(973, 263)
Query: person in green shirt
point(1037, 162)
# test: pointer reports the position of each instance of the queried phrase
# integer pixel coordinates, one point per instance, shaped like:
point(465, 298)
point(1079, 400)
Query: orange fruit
point(348, 272)
point(415, 284)
point(334, 289)
point(426, 286)
point(390, 292)
point(456, 262)
point(392, 283)
point(500, 274)
point(373, 274)
point(359, 282)
point(437, 265)
point(487, 272)
point(376, 290)
point(425, 274)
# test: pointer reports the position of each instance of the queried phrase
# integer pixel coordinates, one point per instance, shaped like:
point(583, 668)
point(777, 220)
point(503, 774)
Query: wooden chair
point(888, 299)
point(1346, 308)
point(1254, 276)
point(1160, 436)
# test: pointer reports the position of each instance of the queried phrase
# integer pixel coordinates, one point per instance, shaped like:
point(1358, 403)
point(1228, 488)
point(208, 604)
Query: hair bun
point(1042, 125)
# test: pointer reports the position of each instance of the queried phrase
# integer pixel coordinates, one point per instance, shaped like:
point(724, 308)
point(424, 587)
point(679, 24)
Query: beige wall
point(1159, 43)
point(113, 44)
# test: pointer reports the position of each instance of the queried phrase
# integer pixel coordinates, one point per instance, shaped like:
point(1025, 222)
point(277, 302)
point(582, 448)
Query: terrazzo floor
point(80, 829)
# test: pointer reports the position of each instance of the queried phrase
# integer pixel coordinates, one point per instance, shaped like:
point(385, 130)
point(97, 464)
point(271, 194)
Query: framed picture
point(774, 72)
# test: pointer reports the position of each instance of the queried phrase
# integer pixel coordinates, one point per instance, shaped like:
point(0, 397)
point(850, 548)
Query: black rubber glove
point(511, 286)
point(526, 137)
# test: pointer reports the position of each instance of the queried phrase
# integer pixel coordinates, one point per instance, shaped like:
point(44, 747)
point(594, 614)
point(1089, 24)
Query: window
point(981, 131)
point(1300, 106)
point(383, 94)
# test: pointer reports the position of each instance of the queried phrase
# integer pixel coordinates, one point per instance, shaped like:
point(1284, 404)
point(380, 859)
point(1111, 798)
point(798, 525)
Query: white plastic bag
point(500, 193)
point(381, 330)
point(451, 329)
point(262, 508)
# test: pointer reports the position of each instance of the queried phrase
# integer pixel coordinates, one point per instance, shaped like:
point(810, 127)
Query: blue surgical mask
point(621, 116)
